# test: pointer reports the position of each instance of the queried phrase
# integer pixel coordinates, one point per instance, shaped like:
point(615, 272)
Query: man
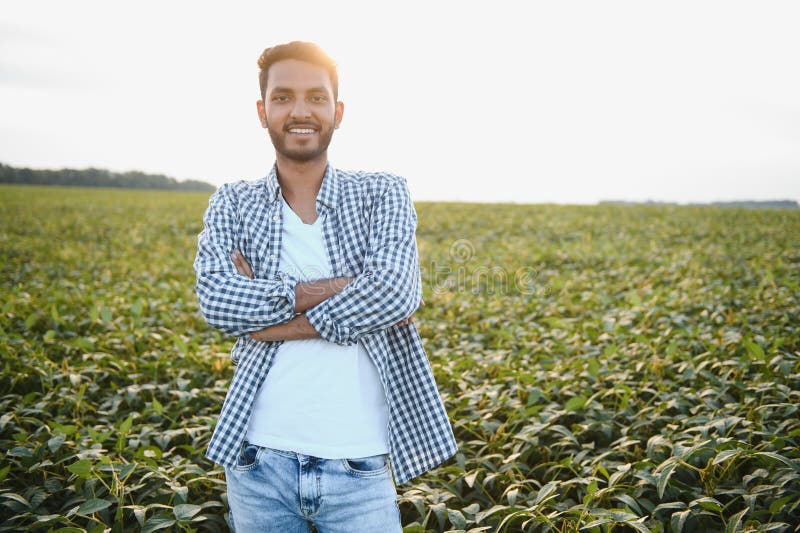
point(316, 271)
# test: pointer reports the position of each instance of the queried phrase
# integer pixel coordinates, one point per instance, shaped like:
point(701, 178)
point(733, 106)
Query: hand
point(296, 329)
point(266, 335)
point(410, 319)
point(241, 264)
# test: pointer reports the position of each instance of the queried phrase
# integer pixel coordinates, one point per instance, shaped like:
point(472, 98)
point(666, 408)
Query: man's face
point(299, 111)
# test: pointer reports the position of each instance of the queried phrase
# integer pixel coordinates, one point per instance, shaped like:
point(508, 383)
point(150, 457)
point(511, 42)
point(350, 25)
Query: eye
point(280, 98)
point(318, 99)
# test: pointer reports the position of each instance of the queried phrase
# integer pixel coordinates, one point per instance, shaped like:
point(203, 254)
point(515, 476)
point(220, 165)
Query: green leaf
point(708, 503)
point(5, 419)
point(621, 471)
point(20, 451)
point(67, 429)
point(663, 478)
point(547, 492)
point(593, 367)
point(656, 441)
point(92, 506)
point(158, 408)
point(440, 510)
point(512, 496)
point(180, 345)
point(724, 455)
point(479, 517)
point(186, 511)
point(139, 512)
point(81, 468)
point(31, 320)
point(734, 525)
point(471, 509)
point(126, 424)
point(156, 523)
point(597, 523)
point(126, 470)
point(17, 498)
point(621, 516)
point(630, 502)
point(794, 465)
point(54, 443)
point(678, 520)
point(754, 349)
point(638, 525)
point(778, 505)
point(54, 314)
point(457, 519)
point(576, 403)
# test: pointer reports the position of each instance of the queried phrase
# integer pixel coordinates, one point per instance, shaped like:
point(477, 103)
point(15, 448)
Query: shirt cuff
point(289, 283)
point(320, 320)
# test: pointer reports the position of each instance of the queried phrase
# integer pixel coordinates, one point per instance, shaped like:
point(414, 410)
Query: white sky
point(567, 102)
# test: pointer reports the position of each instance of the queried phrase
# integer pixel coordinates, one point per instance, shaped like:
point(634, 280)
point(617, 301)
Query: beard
point(301, 154)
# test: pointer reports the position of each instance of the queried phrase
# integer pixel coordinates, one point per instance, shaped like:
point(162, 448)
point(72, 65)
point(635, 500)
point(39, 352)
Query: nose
point(300, 108)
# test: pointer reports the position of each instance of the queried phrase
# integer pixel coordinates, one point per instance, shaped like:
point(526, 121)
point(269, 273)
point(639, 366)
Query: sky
point(528, 102)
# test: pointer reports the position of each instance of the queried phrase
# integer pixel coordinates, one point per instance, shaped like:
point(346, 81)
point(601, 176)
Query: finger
point(245, 266)
point(247, 270)
point(421, 302)
point(241, 264)
point(406, 321)
point(235, 257)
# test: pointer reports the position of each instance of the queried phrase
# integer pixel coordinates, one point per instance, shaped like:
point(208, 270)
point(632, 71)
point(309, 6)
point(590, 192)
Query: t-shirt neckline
point(297, 218)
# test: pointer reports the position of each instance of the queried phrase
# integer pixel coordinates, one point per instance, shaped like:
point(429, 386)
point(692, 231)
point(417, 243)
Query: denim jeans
point(275, 490)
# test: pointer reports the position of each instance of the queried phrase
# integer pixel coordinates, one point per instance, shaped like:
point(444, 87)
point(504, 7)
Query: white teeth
point(301, 130)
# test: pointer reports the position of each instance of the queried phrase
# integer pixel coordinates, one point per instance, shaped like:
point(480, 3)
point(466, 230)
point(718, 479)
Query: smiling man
point(316, 271)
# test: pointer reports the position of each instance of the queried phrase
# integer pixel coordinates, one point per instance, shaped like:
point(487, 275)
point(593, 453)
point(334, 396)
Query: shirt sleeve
point(389, 288)
point(228, 300)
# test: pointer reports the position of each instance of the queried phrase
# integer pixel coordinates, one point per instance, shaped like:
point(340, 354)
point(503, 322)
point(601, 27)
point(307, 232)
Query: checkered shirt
point(369, 230)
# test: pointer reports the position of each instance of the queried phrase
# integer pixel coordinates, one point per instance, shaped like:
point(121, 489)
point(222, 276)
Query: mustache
point(302, 125)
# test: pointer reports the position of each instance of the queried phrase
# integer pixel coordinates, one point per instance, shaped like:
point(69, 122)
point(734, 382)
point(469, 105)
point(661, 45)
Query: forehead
point(297, 75)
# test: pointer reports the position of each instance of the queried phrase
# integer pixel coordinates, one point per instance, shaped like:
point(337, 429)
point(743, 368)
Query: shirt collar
point(326, 196)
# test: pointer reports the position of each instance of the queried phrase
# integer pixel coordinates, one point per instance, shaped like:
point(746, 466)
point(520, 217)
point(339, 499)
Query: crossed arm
point(307, 295)
point(340, 310)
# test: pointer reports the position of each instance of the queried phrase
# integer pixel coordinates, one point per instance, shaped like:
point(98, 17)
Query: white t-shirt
point(319, 398)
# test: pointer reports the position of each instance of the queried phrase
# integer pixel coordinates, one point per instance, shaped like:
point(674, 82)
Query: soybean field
point(605, 368)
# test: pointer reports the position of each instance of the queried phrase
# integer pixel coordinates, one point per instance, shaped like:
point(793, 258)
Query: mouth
point(302, 130)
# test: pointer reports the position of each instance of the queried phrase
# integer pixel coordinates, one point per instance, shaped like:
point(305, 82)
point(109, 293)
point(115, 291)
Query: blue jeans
point(287, 492)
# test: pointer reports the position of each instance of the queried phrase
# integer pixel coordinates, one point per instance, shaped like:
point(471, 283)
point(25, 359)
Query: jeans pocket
point(373, 465)
point(247, 458)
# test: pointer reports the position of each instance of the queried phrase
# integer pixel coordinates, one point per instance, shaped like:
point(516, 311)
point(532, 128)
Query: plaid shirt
point(369, 230)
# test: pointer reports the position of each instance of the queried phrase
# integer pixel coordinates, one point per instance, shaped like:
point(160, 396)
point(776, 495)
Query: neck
point(301, 180)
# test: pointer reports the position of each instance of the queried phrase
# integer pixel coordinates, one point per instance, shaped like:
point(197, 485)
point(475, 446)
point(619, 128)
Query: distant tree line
point(750, 204)
point(97, 177)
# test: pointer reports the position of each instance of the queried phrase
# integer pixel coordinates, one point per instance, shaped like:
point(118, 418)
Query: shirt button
point(273, 257)
point(276, 218)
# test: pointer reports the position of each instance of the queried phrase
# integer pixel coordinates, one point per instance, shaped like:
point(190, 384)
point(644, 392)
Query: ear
point(338, 115)
point(262, 113)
